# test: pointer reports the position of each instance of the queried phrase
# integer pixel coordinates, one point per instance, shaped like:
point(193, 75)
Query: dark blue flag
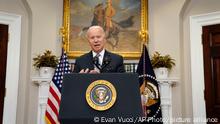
point(148, 80)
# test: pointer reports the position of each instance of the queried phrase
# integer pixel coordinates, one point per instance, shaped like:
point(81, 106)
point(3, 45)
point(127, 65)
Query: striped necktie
point(97, 61)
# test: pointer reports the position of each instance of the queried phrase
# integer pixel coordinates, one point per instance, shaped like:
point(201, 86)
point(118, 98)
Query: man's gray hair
point(95, 27)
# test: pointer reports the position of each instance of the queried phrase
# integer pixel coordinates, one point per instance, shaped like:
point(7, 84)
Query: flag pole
point(144, 39)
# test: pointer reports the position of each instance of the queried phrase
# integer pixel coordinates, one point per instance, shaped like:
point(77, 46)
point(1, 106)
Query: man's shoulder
point(114, 55)
point(83, 57)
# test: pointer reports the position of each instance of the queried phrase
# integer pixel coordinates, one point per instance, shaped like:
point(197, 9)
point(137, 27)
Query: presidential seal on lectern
point(101, 95)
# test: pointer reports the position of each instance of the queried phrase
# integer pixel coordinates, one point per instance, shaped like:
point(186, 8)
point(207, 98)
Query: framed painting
point(124, 21)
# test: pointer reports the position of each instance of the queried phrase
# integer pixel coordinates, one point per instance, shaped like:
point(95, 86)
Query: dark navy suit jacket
point(111, 63)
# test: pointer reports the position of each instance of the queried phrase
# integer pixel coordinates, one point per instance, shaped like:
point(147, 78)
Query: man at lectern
point(98, 60)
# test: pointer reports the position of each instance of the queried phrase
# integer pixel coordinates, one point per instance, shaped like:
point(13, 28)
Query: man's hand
point(84, 71)
point(94, 71)
point(89, 71)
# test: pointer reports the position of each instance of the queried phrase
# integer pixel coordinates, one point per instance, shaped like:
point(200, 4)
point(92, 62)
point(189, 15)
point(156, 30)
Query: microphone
point(95, 61)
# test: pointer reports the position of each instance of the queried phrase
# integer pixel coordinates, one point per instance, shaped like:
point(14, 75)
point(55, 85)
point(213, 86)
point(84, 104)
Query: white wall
point(46, 21)
point(169, 34)
point(164, 29)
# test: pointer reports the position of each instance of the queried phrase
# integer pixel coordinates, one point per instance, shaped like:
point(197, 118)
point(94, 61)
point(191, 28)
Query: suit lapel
point(106, 60)
point(90, 61)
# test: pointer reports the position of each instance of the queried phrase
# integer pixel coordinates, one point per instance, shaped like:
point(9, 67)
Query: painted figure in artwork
point(109, 13)
point(99, 15)
point(103, 16)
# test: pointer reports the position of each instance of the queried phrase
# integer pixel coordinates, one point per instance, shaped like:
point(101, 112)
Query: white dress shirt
point(101, 55)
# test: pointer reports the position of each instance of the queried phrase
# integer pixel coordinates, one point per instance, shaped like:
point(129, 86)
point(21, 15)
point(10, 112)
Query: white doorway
point(197, 66)
point(12, 69)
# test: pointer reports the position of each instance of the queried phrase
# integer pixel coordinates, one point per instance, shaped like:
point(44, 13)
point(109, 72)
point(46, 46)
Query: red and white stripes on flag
point(53, 102)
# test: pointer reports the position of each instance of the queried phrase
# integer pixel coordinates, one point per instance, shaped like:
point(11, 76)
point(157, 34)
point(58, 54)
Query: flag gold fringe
point(47, 121)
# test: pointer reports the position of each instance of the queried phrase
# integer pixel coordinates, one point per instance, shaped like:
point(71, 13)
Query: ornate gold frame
point(64, 31)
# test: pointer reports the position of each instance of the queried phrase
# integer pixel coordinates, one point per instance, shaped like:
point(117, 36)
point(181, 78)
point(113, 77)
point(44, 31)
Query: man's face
point(96, 38)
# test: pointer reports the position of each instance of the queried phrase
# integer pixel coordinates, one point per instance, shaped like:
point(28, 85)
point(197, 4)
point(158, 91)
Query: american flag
point(53, 102)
